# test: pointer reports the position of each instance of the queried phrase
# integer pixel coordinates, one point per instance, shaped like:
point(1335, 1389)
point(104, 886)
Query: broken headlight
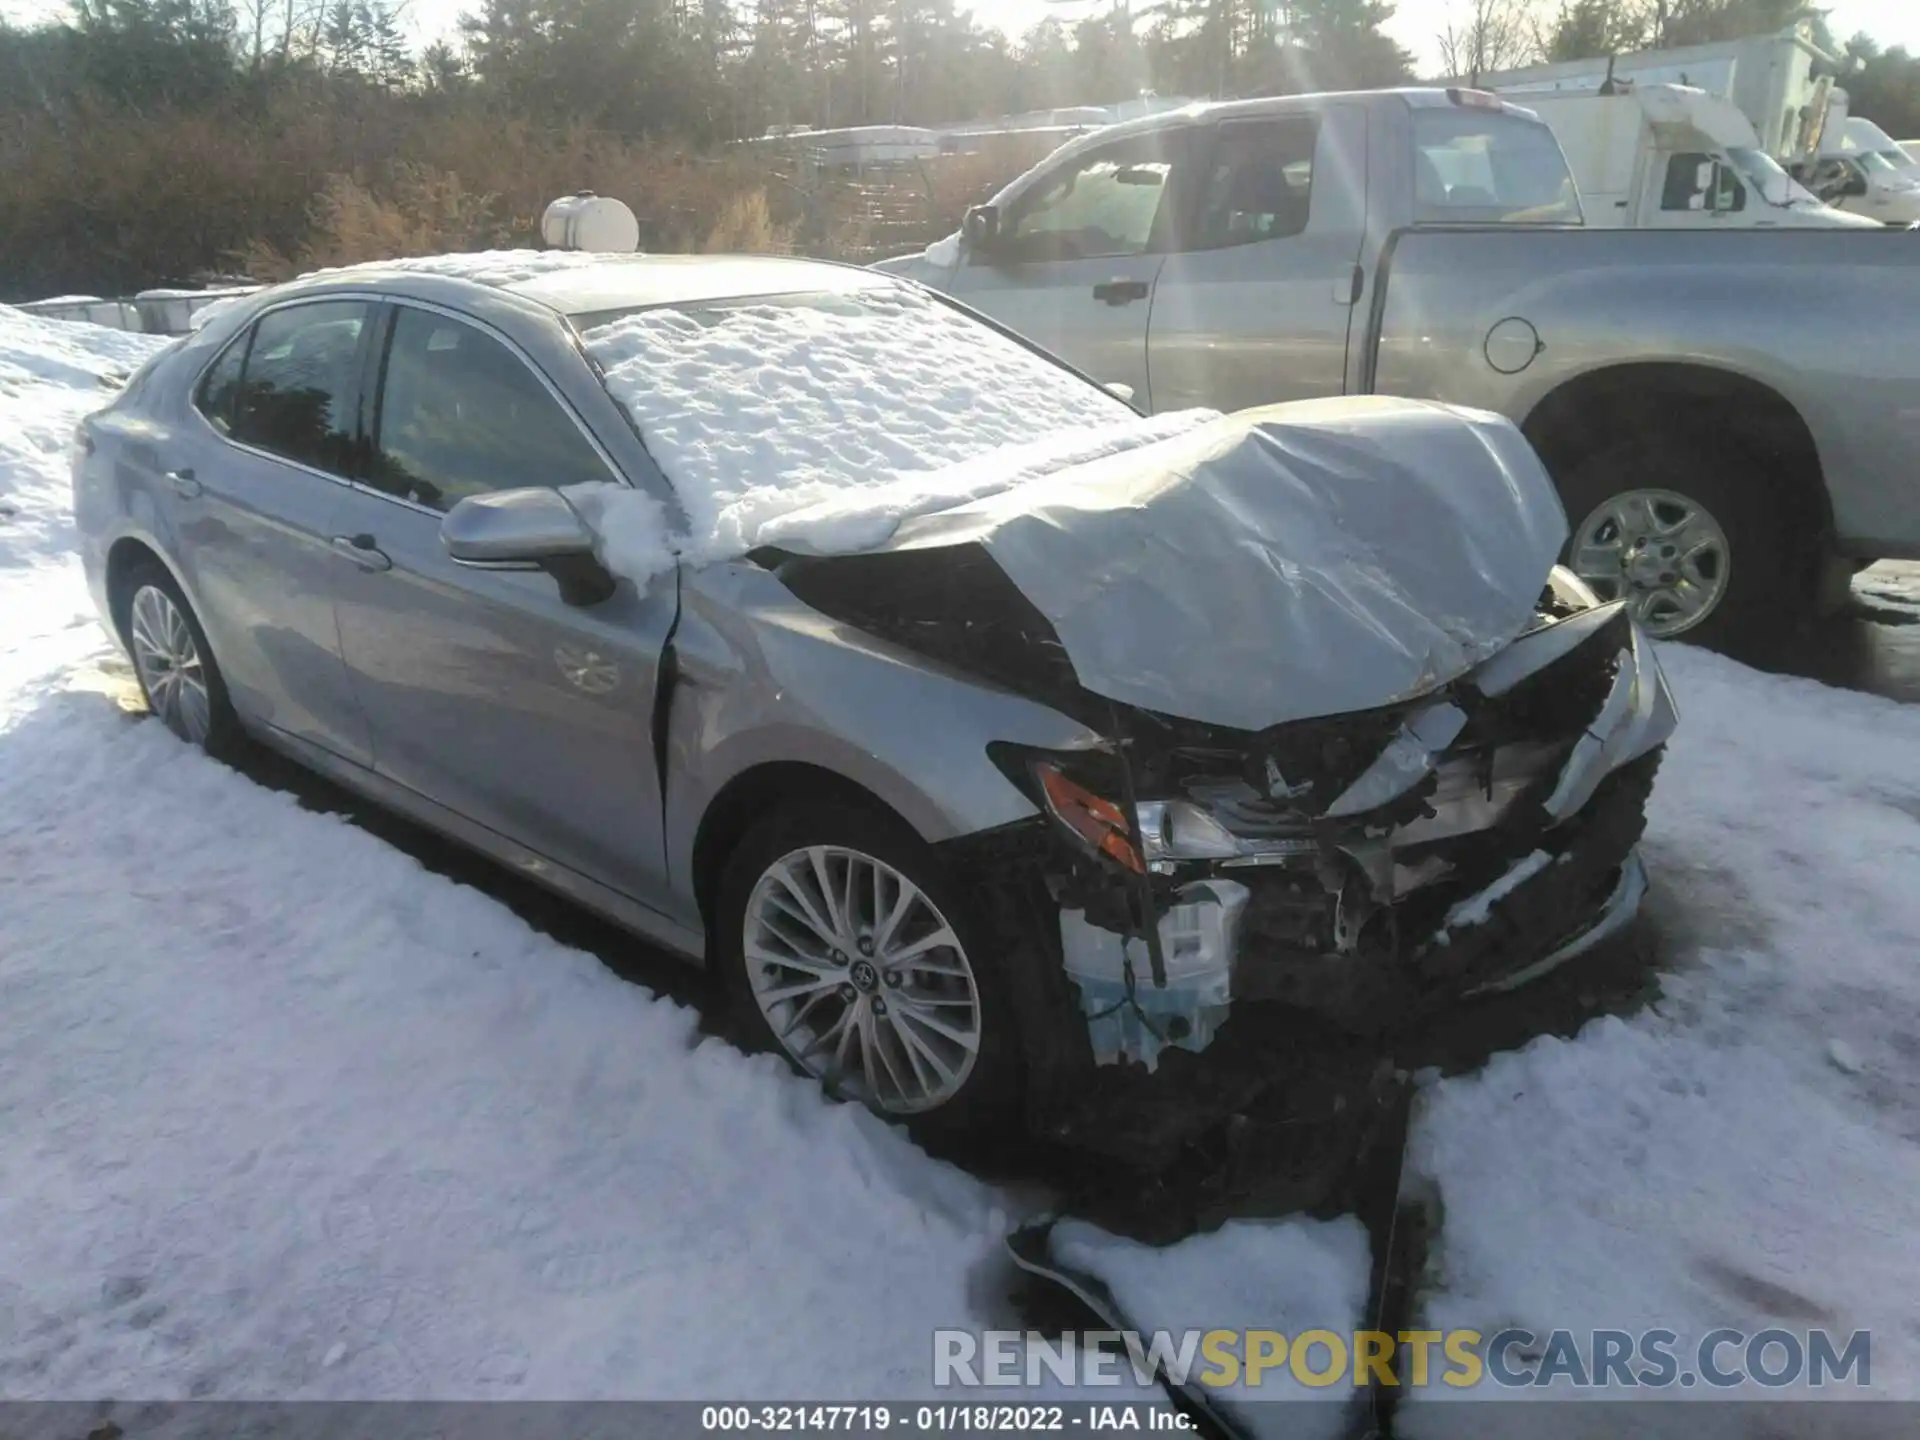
point(1181, 830)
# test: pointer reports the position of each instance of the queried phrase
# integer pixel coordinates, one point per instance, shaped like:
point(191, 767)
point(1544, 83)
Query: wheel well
point(1625, 400)
point(125, 560)
point(752, 794)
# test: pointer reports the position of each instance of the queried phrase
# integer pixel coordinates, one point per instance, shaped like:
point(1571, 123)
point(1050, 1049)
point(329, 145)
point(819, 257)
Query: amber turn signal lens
point(1098, 822)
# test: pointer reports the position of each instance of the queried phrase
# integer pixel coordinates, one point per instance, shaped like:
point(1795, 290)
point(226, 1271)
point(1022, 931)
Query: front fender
point(763, 679)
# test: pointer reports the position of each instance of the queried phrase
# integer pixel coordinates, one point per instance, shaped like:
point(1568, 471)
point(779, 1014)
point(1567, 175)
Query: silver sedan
point(984, 801)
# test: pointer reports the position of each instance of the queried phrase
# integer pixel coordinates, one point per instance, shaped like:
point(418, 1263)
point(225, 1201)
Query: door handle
point(1120, 292)
point(184, 485)
point(362, 550)
point(1348, 288)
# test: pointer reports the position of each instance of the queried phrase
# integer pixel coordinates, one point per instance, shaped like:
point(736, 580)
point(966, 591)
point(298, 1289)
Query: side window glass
point(1105, 204)
point(1731, 196)
point(460, 415)
point(300, 386)
point(1683, 190)
point(1259, 184)
point(220, 386)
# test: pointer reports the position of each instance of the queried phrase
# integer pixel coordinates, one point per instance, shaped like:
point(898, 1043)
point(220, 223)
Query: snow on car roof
point(577, 282)
point(843, 406)
point(484, 267)
point(631, 281)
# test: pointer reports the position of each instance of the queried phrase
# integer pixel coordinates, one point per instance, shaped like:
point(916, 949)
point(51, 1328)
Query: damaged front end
point(1365, 865)
point(1354, 758)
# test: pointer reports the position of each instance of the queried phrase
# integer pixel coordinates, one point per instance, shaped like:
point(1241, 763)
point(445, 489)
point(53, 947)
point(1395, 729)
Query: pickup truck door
point(1078, 250)
point(1256, 303)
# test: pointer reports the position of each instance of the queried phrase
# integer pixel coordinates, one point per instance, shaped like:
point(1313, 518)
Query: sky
point(1414, 25)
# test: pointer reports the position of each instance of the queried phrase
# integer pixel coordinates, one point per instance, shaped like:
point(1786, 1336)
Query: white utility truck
point(1674, 156)
point(1782, 83)
point(1868, 172)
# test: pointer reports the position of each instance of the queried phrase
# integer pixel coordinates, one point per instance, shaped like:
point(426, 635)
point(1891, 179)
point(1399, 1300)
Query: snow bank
point(824, 427)
point(51, 373)
point(1289, 1276)
point(1746, 1154)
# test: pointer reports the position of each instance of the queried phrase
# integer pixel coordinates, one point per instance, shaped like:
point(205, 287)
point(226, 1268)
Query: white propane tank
point(586, 221)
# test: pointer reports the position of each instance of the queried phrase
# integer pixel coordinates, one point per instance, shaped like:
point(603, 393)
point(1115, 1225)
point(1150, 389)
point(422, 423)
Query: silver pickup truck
point(1732, 418)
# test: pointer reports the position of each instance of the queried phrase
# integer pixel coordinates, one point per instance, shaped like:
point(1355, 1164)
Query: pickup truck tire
point(1761, 574)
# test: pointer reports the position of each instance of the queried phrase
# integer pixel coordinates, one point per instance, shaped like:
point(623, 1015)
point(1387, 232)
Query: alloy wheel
point(170, 665)
point(862, 980)
point(1660, 551)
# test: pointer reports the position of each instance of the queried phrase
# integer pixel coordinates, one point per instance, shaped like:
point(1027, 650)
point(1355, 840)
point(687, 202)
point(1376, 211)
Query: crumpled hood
point(1283, 563)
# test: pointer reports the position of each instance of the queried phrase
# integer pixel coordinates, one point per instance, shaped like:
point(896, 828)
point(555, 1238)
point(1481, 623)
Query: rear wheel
point(1695, 542)
point(175, 666)
point(849, 950)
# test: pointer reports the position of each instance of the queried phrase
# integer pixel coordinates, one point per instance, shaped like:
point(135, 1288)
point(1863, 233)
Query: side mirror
point(531, 529)
point(981, 227)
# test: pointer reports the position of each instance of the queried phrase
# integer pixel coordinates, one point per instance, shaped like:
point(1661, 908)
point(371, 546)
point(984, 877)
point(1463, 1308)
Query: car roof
point(631, 282)
point(573, 283)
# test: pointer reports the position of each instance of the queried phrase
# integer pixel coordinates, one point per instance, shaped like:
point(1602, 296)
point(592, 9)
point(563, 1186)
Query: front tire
point(175, 665)
point(1696, 541)
point(847, 948)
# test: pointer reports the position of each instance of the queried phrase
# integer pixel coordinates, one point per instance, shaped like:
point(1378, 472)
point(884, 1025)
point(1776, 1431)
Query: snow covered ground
point(1747, 1153)
point(286, 1115)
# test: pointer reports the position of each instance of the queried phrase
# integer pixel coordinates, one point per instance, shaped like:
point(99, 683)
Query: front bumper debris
point(1490, 838)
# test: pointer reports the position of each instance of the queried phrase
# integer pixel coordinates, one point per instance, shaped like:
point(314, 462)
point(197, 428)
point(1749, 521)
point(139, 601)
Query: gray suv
point(1010, 755)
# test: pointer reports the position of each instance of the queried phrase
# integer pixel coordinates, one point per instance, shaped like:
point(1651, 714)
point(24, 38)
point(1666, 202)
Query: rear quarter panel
point(1825, 318)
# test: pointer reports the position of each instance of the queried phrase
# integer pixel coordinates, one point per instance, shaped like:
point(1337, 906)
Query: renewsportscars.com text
point(1462, 1359)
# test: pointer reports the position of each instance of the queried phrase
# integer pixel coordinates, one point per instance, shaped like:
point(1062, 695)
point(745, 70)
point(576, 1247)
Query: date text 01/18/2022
point(941, 1419)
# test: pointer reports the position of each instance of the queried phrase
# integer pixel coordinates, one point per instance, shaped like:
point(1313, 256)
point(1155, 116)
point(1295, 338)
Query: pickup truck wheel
point(850, 950)
point(1693, 541)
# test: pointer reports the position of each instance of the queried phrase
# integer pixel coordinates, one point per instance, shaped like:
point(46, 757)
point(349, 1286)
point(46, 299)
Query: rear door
point(485, 692)
point(254, 493)
point(1078, 253)
point(1256, 304)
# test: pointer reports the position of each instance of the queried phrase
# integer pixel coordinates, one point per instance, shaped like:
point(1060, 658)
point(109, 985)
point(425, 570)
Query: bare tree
point(1487, 35)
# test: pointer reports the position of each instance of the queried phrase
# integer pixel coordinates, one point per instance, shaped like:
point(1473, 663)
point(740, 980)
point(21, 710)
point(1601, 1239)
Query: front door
point(1077, 254)
point(255, 481)
point(485, 692)
point(1256, 303)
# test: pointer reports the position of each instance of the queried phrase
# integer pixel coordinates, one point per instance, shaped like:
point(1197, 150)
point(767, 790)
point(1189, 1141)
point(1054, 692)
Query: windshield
point(759, 406)
point(1768, 180)
point(1899, 159)
point(1474, 165)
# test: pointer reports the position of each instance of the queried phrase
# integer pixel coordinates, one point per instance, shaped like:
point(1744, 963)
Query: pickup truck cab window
point(1258, 184)
point(1109, 202)
point(1474, 166)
